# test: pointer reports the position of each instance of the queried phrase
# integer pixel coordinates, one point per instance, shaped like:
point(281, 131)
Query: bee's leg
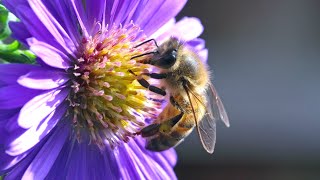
point(150, 130)
point(156, 75)
point(164, 127)
point(166, 137)
point(168, 124)
point(175, 104)
point(147, 85)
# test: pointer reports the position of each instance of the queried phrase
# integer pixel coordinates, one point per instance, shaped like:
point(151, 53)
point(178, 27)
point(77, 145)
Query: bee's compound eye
point(167, 60)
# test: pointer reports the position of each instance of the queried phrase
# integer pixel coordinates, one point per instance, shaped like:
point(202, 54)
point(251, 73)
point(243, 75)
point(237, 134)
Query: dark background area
point(265, 55)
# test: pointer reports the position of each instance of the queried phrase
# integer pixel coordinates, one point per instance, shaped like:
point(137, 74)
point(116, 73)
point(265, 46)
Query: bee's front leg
point(147, 85)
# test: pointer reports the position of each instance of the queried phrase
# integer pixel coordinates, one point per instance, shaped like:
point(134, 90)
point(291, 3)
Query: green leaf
point(3, 14)
point(18, 56)
point(4, 48)
point(4, 18)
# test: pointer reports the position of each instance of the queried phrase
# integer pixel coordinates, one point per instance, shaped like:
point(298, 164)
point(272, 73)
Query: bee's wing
point(215, 108)
point(206, 127)
point(207, 132)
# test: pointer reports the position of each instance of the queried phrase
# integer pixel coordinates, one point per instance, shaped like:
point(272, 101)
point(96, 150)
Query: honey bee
point(193, 100)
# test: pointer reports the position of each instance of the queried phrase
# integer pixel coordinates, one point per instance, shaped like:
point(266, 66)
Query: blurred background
point(265, 55)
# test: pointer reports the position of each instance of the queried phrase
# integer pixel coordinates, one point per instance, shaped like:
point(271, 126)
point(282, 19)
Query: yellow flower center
point(107, 103)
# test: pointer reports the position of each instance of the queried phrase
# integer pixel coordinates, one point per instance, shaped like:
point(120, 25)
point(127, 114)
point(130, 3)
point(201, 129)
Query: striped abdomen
point(175, 125)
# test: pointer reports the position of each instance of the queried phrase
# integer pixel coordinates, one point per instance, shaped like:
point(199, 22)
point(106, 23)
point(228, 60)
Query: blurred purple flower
point(67, 116)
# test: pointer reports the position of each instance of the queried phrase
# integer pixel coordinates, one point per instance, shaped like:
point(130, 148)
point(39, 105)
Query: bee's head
point(167, 60)
point(167, 54)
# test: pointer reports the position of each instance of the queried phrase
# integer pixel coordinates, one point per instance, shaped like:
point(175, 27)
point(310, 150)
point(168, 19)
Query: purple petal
point(19, 32)
point(198, 45)
point(100, 165)
point(24, 160)
point(9, 73)
point(35, 27)
point(164, 29)
point(52, 25)
point(12, 4)
point(48, 153)
point(6, 114)
point(82, 21)
point(18, 171)
point(166, 158)
point(49, 54)
point(129, 169)
point(14, 96)
point(43, 79)
point(186, 29)
point(61, 165)
point(94, 14)
point(203, 55)
point(7, 161)
point(122, 11)
point(68, 19)
point(137, 162)
point(84, 161)
point(34, 111)
point(34, 135)
point(151, 15)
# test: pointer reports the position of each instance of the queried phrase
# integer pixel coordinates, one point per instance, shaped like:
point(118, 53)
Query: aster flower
point(74, 114)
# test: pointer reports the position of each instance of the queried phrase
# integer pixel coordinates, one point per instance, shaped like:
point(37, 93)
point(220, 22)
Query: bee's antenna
point(144, 54)
point(147, 53)
point(155, 42)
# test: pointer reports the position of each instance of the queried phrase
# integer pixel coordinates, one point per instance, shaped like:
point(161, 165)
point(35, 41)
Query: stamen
point(107, 102)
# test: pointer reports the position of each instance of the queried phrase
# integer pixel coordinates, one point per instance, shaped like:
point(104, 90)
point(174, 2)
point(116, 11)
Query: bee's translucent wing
point(215, 108)
point(207, 132)
point(206, 126)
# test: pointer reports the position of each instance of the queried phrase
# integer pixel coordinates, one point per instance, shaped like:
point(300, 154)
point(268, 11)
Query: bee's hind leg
point(150, 130)
point(160, 134)
point(161, 138)
point(176, 104)
point(164, 127)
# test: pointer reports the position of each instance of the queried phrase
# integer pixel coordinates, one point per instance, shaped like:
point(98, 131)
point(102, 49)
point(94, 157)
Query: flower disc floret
point(106, 99)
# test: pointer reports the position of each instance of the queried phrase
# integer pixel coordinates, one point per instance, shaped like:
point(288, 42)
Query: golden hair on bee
point(193, 100)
